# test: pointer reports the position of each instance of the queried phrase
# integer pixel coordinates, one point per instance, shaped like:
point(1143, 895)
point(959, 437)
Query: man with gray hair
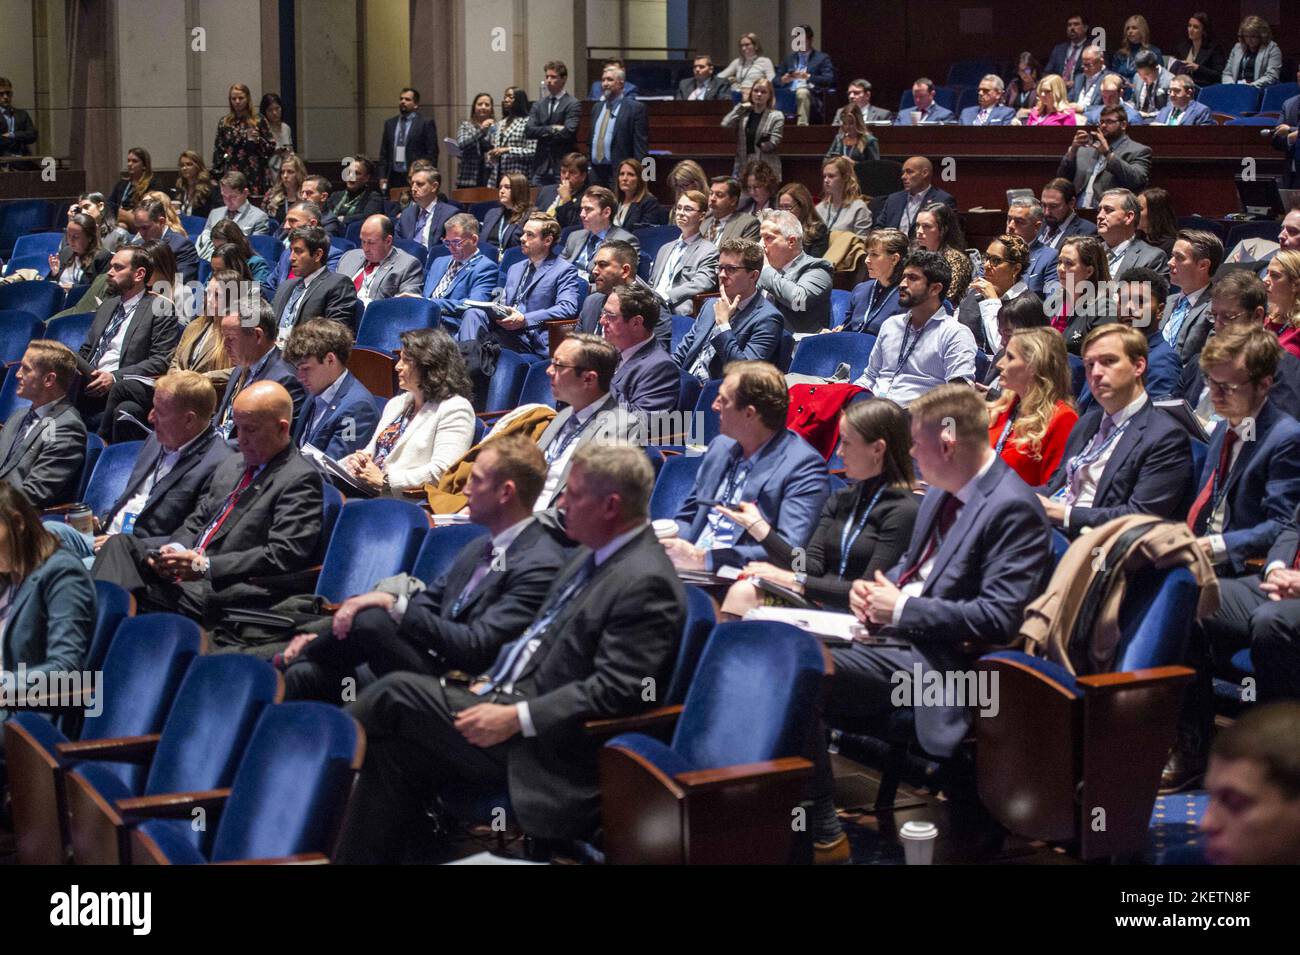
point(798, 284)
point(990, 111)
point(466, 274)
point(1117, 219)
point(1025, 219)
point(620, 128)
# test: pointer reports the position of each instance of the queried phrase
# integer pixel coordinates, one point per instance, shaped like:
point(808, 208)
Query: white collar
point(608, 551)
point(332, 391)
point(632, 350)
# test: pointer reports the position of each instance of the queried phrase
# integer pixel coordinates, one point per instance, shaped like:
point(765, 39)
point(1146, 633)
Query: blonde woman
point(748, 68)
point(1256, 59)
point(842, 207)
point(1283, 281)
point(1030, 423)
point(173, 220)
point(687, 176)
point(1137, 37)
point(1053, 105)
point(293, 173)
point(759, 128)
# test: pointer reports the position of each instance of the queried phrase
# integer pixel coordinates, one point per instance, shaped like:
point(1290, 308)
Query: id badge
point(128, 522)
point(399, 154)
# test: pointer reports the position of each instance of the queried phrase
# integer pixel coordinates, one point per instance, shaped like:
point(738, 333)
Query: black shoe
point(1184, 769)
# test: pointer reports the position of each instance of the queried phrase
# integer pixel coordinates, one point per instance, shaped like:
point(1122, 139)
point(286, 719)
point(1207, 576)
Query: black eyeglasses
point(560, 364)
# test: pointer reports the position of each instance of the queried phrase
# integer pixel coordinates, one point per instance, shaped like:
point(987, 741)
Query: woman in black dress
point(244, 142)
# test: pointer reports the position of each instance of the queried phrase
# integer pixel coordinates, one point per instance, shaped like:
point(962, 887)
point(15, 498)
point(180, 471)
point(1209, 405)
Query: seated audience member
point(795, 197)
point(1053, 107)
point(1031, 421)
point(1125, 456)
point(1060, 221)
point(1004, 263)
point(1282, 278)
point(49, 613)
point(924, 346)
point(842, 207)
point(1086, 88)
point(702, 84)
point(647, 379)
point(1023, 312)
point(1157, 224)
point(863, 528)
point(798, 284)
point(130, 189)
point(260, 518)
point(859, 94)
point(761, 186)
point(924, 109)
point(1137, 40)
point(81, 259)
point(134, 332)
point(201, 347)
point(1186, 322)
point(1112, 94)
point(151, 226)
point(426, 427)
point(978, 554)
point(164, 280)
point(597, 212)
point(357, 202)
point(542, 287)
point(1256, 59)
point(171, 472)
point(688, 266)
point(636, 206)
point(712, 342)
point(756, 458)
point(685, 175)
point(613, 265)
point(379, 269)
point(1250, 483)
point(315, 292)
point(1142, 298)
point(301, 214)
point(562, 200)
point(505, 222)
point(614, 614)
point(1199, 57)
point(1079, 298)
point(988, 111)
point(1104, 159)
point(235, 206)
point(340, 414)
point(1067, 57)
point(581, 374)
point(1117, 222)
point(488, 596)
point(901, 208)
point(938, 229)
point(111, 235)
point(43, 447)
point(852, 139)
point(248, 331)
point(424, 220)
point(1182, 108)
point(877, 298)
point(1025, 219)
point(808, 72)
point(465, 275)
point(1150, 84)
point(227, 234)
point(725, 222)
point(1022, 89)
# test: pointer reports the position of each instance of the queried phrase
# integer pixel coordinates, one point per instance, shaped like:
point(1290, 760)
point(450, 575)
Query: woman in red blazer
point(1031, 422)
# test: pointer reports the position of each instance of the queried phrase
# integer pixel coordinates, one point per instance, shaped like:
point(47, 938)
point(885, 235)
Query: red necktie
point(231, 501)
point(943, 523)
point(1062, 320)
point(364, 274)
point(1225, 455)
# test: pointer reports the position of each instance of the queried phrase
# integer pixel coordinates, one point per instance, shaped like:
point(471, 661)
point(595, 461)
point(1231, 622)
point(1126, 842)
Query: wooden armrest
point(302, 858)
point(770, 770)
point(167, 805)
point(490, 417)
point(127, 749)
point(1115, 682)
point(651, 719)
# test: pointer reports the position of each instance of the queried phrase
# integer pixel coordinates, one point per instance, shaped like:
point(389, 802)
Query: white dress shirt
point(945, 350)
point(556, 470)
point(1090, 476)
point(111, 360)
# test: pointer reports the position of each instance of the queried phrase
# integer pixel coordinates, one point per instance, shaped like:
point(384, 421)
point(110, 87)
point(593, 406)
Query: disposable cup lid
point(919, 830)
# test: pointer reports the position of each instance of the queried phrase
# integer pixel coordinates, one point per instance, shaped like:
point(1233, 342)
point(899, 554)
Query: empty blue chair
point(39, 299)
point(1276, 95)
point(841, 299)
point(507, 381)
point(288, 797)
point(111, 472)
point(537, 386)
point(372, 540)
point(342, 244)
point(786, 351)
point(969, 72)
point(94, 448)
point(17, 328)
point(194, 225)
point(673, 485)
point(1252, 121)
point(701, 618)
point(267, 247)
point(763, 738)
point(652, 238)
point(38, 263)
point(822, 354)
point(19, 217)
point(113, 604)
point(969, 96)
point(1231, 98)
point(681, 325)
point(9, 400)
point(688, 391)
point(71, 330)
point(508, 258)
point(353, 233)
point(704, 406)
point(199, 749)
point(413, 248)
point(440, 547)
point(384, 321)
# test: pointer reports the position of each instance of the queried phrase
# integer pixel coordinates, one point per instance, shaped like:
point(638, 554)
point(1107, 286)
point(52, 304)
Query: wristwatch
point(801, 579)
point(200, 564)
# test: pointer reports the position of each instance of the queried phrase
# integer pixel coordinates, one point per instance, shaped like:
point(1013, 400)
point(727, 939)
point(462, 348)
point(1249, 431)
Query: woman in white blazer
point(1257, 37)
point(759, 128)
point(424, 429)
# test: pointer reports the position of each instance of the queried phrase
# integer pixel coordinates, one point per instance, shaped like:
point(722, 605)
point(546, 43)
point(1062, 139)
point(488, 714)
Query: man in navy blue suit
point(901, 208)
point(1125, 456)
point(1067, 58)
point(466, 274)
point(541, 287)
point(1060, 221)
point(755, 458)
point(1025, 219)
point(619, 128)
point(809, 72)
point(151, 226)
point(425, 218)
point(990, 111)
point(931, 113)
point(739, 325)
point(340, 414)
point(647, 379)
point(408, 136)
point(1142, 297)
point(1285, 135)
point(979, 553)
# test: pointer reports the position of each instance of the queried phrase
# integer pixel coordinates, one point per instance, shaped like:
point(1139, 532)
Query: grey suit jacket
point(578, 238)
point(1141, 255)
point(252, 220)
point(1129, 167)
point(399, 272)
point(801, 292)
point(696, 272)
point(47, 465)
point(1196, 328)
point(741, 225)
point(767, 138)
point(613, 424)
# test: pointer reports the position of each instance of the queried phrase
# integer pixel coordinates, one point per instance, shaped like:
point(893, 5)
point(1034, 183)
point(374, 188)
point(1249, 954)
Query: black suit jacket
point(173, 499)
point(421, 143)
point(621, 628)
point(891, 213)
point(24, 135)
point(553, 144)
point(151, 337)
point(330, 296)
point(187, 257)
point(370, 205)
point(631, 138)
point(47, 467)
point(566, 213)
point(274, 369)
point(714, 88)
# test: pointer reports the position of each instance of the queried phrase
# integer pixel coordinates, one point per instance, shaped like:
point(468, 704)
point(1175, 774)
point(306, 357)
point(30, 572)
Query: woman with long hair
point(1084, 276)
point(503, 224)
point(688, 175)
point(853, 140)
point(194, 192)
point(1256, 59)
point(636, 205)
point(293, 173)
point(1283, 282)
point(131, 189)
point(1199, 57)
point(759, 128)
point(474, 139)
point(750, 67)
point(1137, 38)
point(511, 150)
point(761, 186)
point(1030, 423)
point(939, 230)
point(243, 142)
point(228, 231)
point(1157, 224)
point(863, 528)
point(81, 259)
point(201, 347)
point(1053, 106)
point(795, 197)
point(842, 207)
point(877, 298)
point(1022, 92)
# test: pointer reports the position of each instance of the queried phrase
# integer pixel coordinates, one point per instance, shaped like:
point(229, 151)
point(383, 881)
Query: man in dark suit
point(379, 269)
point(647, 379)
point(596, 212)
point(151, 226)
point(466, 274)
point(901, 208)
point(553, 122)
point(725, 223)
point(17, 131)
point(424, 220)
point(1285, 135)
point(1126, 456)
point(359, 200)
point(134, 333)
point(613, 265)
point(702, 84)
point(408, 136)
point(928, 112)
point(798, 284)
point(561, 199)
point(300, 215)
point(43, 447)
point(739, 325)
point(249, 336)
point(1117, 219)
point(341, 414)
point(619, 128)
point(809, 72)
point(1186, 322)
point(316, 292)
point(859, 93)
point(1060, 221)
point(754, 458)
point(487, 597)
point(1025, 219)
point(979, 553)
point(1104, 159)
point(989, 111)
point(1067, 58)
point(1085, 86)
point(1142, 295)
point(260, 517)
point(611, 621)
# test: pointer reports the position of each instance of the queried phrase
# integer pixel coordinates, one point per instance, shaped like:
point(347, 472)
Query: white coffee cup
point(916, 117)
point(918, 842)
point(665, 528)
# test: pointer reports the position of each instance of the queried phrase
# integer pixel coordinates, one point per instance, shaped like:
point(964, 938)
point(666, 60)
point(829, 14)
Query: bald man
point(901, 208)
point(379, 269)
point(260, 518)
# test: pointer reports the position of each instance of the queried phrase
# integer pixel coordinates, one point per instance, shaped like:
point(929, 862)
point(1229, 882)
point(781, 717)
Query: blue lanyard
point(847, 541)
point(1077, 463)
point(905, 352)
point(1006, 431)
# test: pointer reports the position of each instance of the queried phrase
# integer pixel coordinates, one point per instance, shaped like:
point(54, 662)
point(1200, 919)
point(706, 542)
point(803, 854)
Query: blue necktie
point(1176, 318)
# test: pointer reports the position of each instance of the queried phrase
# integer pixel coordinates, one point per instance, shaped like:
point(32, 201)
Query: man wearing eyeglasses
point(989, 112)
point(465, 274)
